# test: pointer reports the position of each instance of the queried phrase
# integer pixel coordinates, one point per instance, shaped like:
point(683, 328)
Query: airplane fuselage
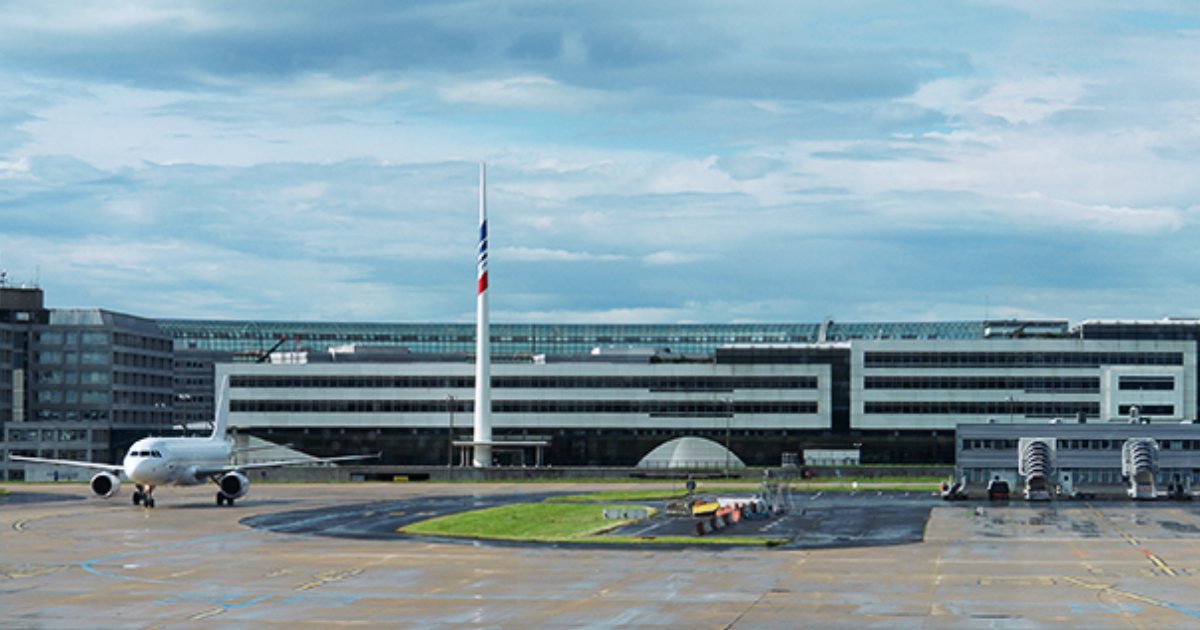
point(161, 461)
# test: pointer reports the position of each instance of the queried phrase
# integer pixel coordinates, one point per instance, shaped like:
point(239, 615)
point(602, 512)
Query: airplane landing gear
point(144, 497)
point(224, 500)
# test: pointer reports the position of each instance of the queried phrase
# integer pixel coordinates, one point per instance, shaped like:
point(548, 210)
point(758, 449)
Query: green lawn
point(555, 522)
point(532, 521)
point(620, 495)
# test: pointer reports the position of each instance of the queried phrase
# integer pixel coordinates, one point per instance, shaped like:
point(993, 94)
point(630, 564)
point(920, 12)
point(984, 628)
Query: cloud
point(525, 92)
point(537, 254)
point(671, 258)
point(692, 162)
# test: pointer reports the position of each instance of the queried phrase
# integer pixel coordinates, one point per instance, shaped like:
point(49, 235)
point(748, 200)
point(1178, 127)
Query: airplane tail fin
point(222, 411)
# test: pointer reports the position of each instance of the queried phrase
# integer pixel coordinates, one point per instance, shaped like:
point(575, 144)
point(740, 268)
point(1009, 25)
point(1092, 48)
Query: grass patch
point(620, 495)
point(550, 522)
point(545, 522)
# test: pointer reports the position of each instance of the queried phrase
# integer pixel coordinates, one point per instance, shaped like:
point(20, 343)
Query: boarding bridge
point(1139, 465)
point(1036, 465)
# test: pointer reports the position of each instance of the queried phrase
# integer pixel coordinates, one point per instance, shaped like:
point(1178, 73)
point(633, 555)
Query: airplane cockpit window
point(155, 454)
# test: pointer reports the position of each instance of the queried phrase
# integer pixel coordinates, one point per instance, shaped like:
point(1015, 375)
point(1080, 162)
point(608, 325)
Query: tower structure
point(482, 424)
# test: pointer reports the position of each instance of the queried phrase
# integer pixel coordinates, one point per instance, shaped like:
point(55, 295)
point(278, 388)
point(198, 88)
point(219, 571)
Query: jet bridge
point(1139, 465)
point(1036, 465)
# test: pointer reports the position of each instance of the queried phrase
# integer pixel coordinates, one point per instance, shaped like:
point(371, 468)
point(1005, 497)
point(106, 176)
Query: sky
point(648, 162)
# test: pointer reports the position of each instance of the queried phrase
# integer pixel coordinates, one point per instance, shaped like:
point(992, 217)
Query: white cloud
point(530, 92)
point(671, 258)
point(1016, 101)
point(537, 254)
point(1031, 100)
point(13, 169)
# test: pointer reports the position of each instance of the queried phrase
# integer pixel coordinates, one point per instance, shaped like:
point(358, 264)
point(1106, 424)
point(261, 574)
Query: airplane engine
point(105, 484)
point(233, 485)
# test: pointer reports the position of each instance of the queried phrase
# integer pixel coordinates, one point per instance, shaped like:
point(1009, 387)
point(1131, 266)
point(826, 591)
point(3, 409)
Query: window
point(94, 358)
point(94, 339)
point(1146, 383)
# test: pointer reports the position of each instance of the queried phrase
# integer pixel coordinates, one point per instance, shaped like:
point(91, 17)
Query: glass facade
point(256, 337)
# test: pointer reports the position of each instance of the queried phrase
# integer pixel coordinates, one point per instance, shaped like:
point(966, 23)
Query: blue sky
point(648, 161)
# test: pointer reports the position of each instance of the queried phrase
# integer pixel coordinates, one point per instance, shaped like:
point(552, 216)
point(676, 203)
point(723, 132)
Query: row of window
point(141, 379)
point(652, 383)
point(1147, 410)
point(72, 415)
point(1079, 384)
point(87, 396)
point(1018, 359)
point(1077, 445)
point(59, 338)
point(1097, 476)
point(1020, 408)
point(128, 359)
point(1146, 383)
point(651, 407)
point(70, 377)
point(48, 435)
point(54, 357)
point(154, 344)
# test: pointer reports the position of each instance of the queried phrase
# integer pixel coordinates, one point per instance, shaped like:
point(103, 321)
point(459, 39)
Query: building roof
point(691, 452)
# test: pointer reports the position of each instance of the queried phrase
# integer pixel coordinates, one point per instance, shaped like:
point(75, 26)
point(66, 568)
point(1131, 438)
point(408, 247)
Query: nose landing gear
point(143, 496)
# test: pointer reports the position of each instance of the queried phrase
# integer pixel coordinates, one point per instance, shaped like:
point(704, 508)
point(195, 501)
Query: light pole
point(728, 421)
point(450, 404)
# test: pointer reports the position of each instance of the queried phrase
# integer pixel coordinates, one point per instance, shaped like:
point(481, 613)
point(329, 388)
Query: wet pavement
point(93, 563)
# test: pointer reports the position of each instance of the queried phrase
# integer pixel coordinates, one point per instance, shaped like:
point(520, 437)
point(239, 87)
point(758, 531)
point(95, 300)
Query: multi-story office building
point(83, 382)
point(593, 410)
point(78, 383)
point(899, 400)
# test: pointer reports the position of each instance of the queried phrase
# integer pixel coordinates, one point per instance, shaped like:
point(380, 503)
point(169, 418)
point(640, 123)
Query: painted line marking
point(88, 565)
point(206, 614)
point(20, 525)
point(232, 605)
point(1134, 596)
point(1154, 559)
point(329, 577)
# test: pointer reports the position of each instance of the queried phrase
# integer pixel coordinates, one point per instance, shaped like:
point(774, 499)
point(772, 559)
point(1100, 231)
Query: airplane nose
point(140, 469)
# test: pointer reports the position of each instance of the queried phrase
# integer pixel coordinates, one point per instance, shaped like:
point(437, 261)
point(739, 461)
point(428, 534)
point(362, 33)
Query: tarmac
point(328, 555)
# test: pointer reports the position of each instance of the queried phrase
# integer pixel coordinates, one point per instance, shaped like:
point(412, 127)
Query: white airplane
point(186, 461)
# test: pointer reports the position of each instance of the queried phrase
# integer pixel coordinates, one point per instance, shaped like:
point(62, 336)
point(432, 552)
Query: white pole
point(483, 354)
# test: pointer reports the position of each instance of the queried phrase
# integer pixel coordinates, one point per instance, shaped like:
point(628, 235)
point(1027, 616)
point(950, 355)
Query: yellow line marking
point(20, 525)
point(327, 577)
point(206, 614)
point(1115, 591)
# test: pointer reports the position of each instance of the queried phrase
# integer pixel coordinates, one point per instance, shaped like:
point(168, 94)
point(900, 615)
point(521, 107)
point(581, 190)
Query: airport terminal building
point(596, 394)
point(896, 400)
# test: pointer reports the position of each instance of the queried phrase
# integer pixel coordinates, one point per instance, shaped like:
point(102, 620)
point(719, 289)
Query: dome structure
point(691, 452)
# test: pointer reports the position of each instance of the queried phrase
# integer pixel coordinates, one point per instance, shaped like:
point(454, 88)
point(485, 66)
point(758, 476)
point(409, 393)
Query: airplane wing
point(114, 468)
point(265, 447)
point(220, 470)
